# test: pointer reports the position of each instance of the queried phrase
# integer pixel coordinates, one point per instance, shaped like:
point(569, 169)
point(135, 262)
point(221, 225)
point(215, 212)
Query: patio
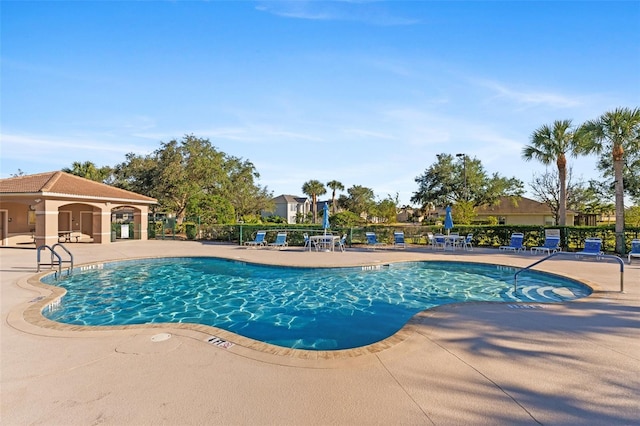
point(479, 363)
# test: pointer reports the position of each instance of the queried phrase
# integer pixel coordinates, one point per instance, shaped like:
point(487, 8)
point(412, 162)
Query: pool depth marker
point(221, 343)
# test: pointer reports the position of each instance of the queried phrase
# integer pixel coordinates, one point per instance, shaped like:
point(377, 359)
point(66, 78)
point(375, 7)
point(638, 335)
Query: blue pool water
point(306, 308)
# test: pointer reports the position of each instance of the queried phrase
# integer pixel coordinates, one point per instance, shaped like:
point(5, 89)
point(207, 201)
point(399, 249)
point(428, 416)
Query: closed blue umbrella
point(325, 217)
point(448, 219)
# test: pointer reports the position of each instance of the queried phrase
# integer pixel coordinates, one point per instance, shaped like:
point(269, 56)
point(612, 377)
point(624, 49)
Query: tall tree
point(438, 184)
point(610, 135)
point(599, 200)
point(551, 144)
point(211, 209)
point(360, 200)
point(190, 176)
point(88, 170)
point(632, 216)
point(335, 186)
point(546, 189)
point(186, 168)
point(387, 210)
point(313, 188)
point(630, 175)
point(244, 194)
point(137, 174)
point(443, 184)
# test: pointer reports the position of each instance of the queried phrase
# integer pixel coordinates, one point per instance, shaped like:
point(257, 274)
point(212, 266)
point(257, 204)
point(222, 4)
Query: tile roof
point(521, 205)
point(61, 183)
point(289, 199)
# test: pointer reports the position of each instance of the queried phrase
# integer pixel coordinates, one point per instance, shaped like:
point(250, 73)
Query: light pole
point(464, 165)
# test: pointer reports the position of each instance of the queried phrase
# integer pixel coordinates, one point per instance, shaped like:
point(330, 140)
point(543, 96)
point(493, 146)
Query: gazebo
point(46, 208)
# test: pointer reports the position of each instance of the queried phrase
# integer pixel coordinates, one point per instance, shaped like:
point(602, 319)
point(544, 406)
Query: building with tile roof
point(45, 208)
point(521, 211)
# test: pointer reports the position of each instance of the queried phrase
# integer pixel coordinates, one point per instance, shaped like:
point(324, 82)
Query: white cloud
point(365, 133)
point(531, 97)
point(367, 12)
point(55, 153)
point(31, 144)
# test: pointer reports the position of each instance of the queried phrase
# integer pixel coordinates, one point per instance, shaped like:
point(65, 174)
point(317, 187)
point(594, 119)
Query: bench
point(66, 236)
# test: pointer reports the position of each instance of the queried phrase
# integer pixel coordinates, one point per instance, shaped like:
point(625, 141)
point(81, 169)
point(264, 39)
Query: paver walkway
point(562, 364)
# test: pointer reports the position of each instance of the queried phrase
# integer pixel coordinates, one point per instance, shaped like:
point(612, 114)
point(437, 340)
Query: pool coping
point(28, 317)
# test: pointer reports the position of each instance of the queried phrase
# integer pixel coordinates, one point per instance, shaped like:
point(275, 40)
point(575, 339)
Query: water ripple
point(308, 308)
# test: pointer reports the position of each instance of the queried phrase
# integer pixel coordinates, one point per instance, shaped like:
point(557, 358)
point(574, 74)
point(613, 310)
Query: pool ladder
point(55, 259)
point(560, 253)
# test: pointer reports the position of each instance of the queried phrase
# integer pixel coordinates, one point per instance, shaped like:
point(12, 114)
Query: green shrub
point(151, 230)
point(190, 230)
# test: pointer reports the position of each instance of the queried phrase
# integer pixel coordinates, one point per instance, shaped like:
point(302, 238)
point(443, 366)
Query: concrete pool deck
point(481, 363)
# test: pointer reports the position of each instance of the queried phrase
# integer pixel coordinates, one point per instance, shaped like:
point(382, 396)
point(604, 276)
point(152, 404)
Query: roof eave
point(97, 198)
point(78, 197)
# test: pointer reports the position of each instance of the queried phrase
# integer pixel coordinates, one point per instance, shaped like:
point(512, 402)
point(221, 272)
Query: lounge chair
point(551, 245)
point(516, 243)
point(439, 241)
point(372, 240)
point(398, 240)
point(342, 243)
point(467, 242)
point(592, 247)
point(635, 249)
point(430, 239)
point(281, 241)
point(308, 243)
point(258, 241)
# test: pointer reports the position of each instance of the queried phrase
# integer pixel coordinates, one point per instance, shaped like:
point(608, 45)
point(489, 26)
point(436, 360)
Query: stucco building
point(46, 208)
point(289, 207)
point(521, 211)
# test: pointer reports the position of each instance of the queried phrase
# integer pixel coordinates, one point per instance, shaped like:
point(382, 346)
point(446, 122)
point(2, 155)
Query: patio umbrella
point(325, 218)
point(448, 219)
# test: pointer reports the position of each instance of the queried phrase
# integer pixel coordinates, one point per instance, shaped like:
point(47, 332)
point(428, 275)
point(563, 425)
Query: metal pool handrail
point(604, 256)
point(52, 263)
point(59, 262)
point(70, 261)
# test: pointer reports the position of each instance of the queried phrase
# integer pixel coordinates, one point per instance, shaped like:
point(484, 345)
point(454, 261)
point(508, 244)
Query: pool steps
point(55, 259)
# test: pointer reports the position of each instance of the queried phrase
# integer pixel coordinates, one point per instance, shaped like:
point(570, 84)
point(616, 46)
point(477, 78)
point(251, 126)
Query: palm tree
point(334, 185)
point(613, 133)
point(313, 188)
point(549, 144)
point(88, 170)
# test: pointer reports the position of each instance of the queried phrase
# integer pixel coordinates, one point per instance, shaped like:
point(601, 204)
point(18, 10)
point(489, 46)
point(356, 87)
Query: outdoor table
point(67, 235)
point(452, 240)
point(326, 242)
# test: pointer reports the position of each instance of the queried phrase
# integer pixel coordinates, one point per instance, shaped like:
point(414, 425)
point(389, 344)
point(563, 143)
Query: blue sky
point(364, 92)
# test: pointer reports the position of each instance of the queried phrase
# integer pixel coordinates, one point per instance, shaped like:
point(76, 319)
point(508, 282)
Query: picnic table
point(66, 236)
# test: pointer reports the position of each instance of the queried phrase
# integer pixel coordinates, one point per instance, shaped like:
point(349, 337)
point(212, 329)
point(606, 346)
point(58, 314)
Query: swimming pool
point(304, 308)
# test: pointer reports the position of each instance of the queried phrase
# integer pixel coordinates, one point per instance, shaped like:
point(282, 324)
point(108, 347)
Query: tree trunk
point(618, 163)
point(562, 202)
point(315, 208)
